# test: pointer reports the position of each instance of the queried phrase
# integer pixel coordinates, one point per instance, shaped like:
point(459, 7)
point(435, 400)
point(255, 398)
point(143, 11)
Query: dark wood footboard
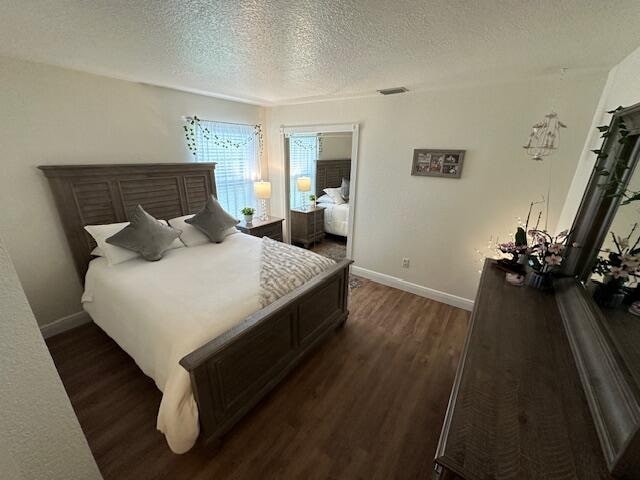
point(231, 373)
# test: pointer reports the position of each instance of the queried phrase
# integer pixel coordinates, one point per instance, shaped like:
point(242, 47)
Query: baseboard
point(65, 323)
point(400, 284)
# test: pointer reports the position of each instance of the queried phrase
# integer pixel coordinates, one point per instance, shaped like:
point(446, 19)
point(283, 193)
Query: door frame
point(354, 129)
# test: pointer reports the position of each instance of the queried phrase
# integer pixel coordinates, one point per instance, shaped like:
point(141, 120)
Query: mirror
point(614, 280)
point(597, 297)
point(319, 166)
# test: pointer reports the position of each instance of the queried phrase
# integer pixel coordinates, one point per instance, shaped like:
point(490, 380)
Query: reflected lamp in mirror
point(262, 191)
point(304, 186)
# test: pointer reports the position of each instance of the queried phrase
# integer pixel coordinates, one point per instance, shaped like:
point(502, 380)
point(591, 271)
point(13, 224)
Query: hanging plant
point(193, 125)
point(615, 174)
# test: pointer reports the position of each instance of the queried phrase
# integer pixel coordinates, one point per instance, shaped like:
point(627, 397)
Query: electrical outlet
point(405, 263)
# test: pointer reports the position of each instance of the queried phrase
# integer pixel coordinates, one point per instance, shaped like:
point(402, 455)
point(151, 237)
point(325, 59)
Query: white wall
point(40, 435)
point(57, 116)
point(622, 88)
point(438, 223)
point(335, 146)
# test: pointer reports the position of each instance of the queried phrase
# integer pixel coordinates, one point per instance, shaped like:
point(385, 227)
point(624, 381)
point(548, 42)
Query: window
point(236, 150)
point(303, 155)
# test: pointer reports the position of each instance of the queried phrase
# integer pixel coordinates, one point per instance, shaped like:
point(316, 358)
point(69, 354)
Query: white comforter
point(160, 311)
point(336, 218)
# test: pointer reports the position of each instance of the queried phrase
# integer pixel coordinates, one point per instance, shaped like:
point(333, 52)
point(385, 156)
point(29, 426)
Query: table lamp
point(263, 193)
point(304, 185)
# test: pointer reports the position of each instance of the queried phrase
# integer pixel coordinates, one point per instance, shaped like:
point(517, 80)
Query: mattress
point(158, 312)
point(336, 218)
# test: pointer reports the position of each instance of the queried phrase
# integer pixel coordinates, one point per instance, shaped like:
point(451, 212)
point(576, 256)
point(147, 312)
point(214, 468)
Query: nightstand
point(271, 228)
point(307, 226)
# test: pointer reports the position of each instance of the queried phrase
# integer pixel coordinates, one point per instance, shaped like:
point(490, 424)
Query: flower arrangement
point(536, 248)
point(545, 251)
point(619, 269)
point(622, 265)
point(542, 250)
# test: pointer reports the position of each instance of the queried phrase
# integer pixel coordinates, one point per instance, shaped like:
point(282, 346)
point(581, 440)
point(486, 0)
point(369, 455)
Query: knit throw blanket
point(285, 267)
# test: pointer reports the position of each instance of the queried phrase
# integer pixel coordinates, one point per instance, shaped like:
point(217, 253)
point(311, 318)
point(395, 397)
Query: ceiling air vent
point(392, 91)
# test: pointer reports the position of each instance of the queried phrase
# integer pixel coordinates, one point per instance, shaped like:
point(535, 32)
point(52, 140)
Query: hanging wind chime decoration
point(544, 137)
point(544, 140)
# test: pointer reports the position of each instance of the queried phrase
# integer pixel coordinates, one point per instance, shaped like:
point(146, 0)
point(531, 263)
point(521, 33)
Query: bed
point(336, 218)
point(329, 174)
point(193, 321)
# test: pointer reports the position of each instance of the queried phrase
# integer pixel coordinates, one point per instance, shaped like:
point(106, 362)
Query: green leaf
point(521, 237)
point(634, 198)
point(603, 128)
point(597, 151)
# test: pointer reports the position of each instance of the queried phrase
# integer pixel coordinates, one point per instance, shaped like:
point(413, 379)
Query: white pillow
point(325, 199)
point(190, 235)
point(335, 194)
point(113, 253)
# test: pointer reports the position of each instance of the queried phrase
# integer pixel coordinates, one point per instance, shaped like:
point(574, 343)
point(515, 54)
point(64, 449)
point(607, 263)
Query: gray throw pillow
point(145, 235)
point(344, 189)
point(213, 220)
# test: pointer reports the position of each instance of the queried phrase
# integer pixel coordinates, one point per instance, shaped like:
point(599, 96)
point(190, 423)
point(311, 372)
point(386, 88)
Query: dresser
point(272, 228)
point(307, 226)
point(517, 409)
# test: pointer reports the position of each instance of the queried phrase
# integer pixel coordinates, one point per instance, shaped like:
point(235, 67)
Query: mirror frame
point(613, 397)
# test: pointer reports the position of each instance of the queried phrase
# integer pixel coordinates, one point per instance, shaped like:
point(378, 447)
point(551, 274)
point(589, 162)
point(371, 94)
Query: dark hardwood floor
point(369, 404)
point(331, 246)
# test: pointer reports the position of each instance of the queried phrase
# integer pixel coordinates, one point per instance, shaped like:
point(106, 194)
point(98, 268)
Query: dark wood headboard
point(101, 194)
point(329, 174)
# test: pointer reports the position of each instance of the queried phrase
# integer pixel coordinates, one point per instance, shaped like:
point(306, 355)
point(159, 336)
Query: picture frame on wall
point(437, 163)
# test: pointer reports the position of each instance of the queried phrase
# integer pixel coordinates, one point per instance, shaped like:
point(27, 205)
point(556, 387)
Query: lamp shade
point(262, 190)
point(304, 184)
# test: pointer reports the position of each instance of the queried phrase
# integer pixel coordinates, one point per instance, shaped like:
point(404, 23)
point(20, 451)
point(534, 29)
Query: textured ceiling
point(282, 51)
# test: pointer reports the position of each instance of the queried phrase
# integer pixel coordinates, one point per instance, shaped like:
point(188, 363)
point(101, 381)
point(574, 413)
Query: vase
point(609, 294)
point(539, 280)
point(248, 219)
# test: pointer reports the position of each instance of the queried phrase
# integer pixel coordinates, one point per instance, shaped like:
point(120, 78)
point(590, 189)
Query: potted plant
point(616, 269)
point(248, 214)
point(312, 199)
point(545, 256)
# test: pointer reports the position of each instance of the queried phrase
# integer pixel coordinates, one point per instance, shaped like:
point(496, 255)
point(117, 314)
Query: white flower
point(553, 260)
point(555, 248)
point(618, 272)
point(630, 261)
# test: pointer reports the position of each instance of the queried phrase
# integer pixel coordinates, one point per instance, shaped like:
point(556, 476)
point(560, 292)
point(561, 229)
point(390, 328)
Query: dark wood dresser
point(271, 228)
point(517, 409)
point(307, 226)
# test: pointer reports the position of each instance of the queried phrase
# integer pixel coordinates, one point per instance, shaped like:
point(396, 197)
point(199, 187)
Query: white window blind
point(236, 150)
point(303, 155)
